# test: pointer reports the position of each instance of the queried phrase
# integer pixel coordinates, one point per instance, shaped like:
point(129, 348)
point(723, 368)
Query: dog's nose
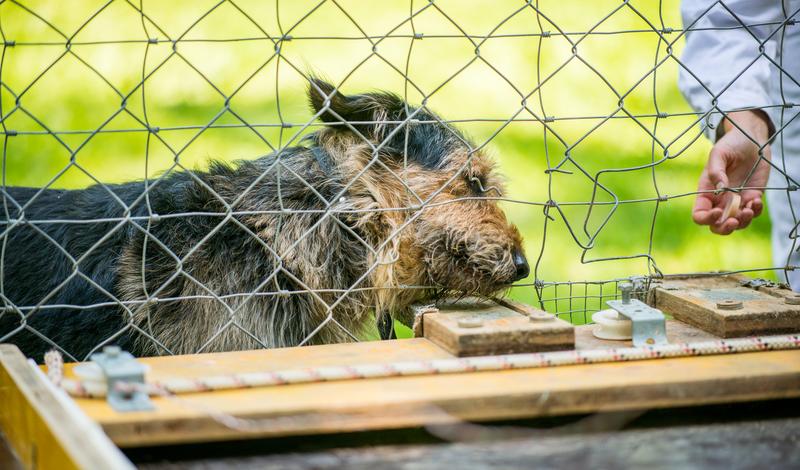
point(521, 265)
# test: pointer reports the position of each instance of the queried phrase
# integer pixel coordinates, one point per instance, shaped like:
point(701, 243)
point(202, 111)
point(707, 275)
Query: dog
point(385, 206)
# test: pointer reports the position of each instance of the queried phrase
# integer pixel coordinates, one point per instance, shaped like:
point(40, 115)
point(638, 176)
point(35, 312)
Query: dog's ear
point(367, 113)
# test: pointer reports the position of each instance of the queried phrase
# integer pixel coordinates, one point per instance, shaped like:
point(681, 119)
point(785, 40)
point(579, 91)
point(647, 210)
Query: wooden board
point(398, 402)
point(43, 427)
point(473, 327)
point(8, 461)
point(695, 301)
point(594, 442)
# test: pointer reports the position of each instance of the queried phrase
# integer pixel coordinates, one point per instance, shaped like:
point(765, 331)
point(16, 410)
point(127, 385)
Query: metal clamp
point(648, 325)
point(121, 368)
point(759, 282)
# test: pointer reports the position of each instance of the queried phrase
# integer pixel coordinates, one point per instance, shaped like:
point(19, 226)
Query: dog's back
point(51, 285)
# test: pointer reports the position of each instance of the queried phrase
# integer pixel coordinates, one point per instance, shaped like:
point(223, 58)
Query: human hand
point(731, 161)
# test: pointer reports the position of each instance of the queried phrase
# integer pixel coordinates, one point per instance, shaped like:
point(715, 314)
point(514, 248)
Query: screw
point(793, 299)
point(470, 322)
point(729, 304)
point(541, 316)
point(627, 289)
point(112, 351)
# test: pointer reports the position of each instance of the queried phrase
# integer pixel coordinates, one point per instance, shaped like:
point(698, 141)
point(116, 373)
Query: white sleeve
point(723, 61)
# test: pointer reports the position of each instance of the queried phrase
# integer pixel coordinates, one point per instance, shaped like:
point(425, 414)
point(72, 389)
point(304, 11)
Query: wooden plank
point(398, 402)
point(473, 327)
point(195, 365)
point(8, 460)
point(696, 301)
point(717, 446)
point(43, 426)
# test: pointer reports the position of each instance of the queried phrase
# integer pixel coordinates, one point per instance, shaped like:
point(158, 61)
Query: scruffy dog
point(294, 247)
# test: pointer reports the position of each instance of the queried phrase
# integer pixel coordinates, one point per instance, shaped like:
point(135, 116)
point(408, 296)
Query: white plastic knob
point(611, 325)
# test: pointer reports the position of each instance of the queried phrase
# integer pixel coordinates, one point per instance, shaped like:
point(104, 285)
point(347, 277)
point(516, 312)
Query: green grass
point(71, 97)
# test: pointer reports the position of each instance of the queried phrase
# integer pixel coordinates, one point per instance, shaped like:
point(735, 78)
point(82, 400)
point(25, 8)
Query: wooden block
point(473, 327)
point(701, 301)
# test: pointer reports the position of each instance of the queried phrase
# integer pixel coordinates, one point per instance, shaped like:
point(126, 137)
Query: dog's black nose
point(521, 265)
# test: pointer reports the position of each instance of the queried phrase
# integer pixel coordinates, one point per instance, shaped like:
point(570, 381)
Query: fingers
point(706, 216)
point(745, 217)
point(752, 199)
point(704, 212)
point(717, 169)
point(713, 217)
point(708, 211)
point(757, 206)
point(725, 228)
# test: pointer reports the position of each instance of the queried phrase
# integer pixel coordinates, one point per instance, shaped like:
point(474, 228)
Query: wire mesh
point(97, 94)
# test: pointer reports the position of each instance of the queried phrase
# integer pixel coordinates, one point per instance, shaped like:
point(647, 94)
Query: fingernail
point(720, 186)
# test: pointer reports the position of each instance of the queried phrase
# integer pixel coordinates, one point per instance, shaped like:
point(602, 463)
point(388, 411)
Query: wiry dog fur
point(185, 270)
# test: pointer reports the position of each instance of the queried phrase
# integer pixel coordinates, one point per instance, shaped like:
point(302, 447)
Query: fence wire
point(129, 81)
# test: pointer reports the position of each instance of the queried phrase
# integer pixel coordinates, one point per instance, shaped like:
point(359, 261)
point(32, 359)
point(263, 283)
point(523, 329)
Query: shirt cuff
point(744, 100)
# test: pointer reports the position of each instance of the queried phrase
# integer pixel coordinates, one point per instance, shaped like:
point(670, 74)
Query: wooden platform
point(36, 416)
point(401, 402)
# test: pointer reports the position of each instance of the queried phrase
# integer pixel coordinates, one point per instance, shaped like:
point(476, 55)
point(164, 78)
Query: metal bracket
point(648, 325)
point(120, 367)
point(759, 282)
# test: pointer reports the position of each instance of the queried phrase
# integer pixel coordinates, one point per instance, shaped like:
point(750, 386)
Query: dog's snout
point(520, 265)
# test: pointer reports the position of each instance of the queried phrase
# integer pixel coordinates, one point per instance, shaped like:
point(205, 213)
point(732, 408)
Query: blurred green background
point(76, 90)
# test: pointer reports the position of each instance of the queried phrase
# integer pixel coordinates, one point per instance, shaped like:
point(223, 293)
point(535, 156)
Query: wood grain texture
point(398, 402)
point(694, 301)
point(46, 431)
point(501, 331)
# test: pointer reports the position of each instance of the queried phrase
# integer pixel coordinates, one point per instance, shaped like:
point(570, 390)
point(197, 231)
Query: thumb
point(718, 169)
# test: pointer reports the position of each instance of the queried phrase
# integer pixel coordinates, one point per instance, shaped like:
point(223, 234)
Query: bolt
point(729, 304)
point(112, 351)
point(541, 316)
point(627, 289)
point(792, 299)
point(470, 322)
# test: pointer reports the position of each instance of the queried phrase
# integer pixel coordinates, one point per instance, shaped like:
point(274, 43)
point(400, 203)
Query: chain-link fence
point(187, 177)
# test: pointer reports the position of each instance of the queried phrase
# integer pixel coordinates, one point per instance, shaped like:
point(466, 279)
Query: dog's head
point(432, 192)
